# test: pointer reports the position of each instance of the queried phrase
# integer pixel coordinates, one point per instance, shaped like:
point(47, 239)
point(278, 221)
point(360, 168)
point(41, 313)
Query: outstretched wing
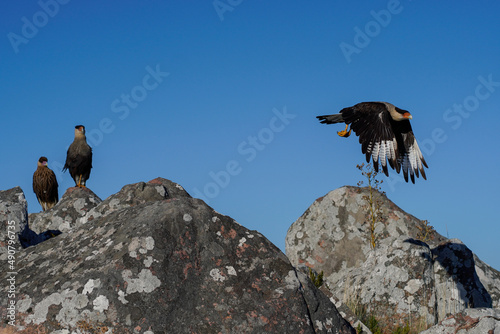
point(372, 123)
point(410, 157)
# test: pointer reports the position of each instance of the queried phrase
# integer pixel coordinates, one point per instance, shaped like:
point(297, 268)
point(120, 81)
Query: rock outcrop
point(151, 259)
point(469, 321)
point(413, 276)
point(75, 204)
point(13, 215)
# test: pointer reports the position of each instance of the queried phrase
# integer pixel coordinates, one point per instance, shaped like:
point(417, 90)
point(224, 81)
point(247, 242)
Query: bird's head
point(400, 114)
point(42, 161)
point(407, 115)
point(79, 131)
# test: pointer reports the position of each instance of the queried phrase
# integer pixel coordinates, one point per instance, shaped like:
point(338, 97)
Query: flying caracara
point(384, 134)
point(79, 158)
point(45, 185)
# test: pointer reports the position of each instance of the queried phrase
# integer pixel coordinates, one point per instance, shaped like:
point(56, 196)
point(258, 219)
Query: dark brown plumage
point(45, 185)
point(385, 134)
point(79, 158)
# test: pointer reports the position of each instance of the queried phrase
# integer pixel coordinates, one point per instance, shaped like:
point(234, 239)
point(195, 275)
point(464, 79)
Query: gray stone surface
point(469, 321)
point(403, 279)
point(74, 204)
point(13, 217)
point(151, 259)
point(490, 278)
point(457, 284)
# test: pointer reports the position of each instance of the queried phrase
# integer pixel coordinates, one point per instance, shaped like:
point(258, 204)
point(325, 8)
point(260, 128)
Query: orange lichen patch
point(393, 216)
point(252, 314)
point(264, 319)
point(466, 322)
point(263, 250)
point(8, 330)
point(240, 250)
point(255, 285)
point(318, 258)
point(119, 266)
point(186, 269)
point(182, 239)
point(181, 254)
point(231, 233)
point(155, 181)
point(93, 327)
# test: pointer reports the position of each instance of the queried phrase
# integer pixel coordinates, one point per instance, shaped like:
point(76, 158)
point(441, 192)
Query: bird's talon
point(345, 133)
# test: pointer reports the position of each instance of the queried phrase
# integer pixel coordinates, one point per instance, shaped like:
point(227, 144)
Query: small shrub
point(372, 324)
point(426, 232)
point(374, 205)
point(402, 330)
point(317, 279)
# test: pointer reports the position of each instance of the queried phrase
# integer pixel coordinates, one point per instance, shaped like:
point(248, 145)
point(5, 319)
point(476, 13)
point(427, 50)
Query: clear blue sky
point(221, 97)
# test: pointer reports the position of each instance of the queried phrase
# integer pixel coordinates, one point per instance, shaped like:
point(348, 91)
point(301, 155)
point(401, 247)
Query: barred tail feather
point(331, 119)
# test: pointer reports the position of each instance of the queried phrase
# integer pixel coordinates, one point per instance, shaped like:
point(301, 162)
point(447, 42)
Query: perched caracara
point(79, 158)
point(384, 134)
point(45, 185)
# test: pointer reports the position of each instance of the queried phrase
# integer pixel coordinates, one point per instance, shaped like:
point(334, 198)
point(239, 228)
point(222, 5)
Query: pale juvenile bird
point(79, 158)
point(45, 185)
point(385, 134)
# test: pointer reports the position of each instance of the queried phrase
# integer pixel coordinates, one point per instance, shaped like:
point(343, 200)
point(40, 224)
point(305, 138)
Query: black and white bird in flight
point(385, 135)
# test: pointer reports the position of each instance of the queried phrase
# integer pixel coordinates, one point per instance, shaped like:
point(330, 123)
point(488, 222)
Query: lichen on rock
point(151, 257)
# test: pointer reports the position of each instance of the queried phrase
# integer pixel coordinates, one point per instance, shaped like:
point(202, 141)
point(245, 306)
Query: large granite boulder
point(412, 276)
point(151, 259)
